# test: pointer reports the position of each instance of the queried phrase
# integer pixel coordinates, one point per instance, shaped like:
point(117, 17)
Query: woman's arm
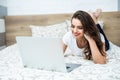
point(64, 46)
point(97, 56)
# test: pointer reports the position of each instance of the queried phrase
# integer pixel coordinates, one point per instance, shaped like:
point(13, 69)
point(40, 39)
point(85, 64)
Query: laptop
point(43, 53)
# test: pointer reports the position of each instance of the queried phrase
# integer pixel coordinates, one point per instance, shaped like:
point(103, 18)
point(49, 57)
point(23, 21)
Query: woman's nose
point(75, 29)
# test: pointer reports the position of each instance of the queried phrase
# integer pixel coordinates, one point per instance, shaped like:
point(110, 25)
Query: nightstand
point(2, 34)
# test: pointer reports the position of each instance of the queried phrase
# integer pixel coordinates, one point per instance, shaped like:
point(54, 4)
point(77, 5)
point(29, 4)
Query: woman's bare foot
point(95, 15)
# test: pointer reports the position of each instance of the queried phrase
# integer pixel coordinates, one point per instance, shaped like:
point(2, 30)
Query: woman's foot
point(95, 15)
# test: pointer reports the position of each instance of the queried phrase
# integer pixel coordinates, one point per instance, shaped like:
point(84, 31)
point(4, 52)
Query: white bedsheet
point(11, 67)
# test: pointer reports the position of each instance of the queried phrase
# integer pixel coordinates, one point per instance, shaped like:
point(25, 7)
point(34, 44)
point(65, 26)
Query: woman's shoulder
point(68, 34)
point(67, 37)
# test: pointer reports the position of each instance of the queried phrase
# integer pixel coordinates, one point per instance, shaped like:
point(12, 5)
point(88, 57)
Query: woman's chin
point(76, 37)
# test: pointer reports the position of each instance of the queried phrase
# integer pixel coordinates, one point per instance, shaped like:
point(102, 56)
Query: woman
point(84, 38)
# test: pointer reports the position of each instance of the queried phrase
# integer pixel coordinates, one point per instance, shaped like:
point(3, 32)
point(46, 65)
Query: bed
point(11, 66)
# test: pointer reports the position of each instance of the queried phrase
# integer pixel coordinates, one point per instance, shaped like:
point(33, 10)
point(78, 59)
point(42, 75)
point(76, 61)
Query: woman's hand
point(87, 36)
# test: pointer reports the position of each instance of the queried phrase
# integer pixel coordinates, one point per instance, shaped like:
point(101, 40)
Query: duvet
point(11, 67)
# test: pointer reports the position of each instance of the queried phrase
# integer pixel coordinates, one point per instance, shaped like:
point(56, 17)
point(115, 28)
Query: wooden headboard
point(19, 25)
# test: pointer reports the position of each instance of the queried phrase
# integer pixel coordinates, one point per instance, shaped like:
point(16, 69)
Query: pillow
point(56, 30)
point(68, 23)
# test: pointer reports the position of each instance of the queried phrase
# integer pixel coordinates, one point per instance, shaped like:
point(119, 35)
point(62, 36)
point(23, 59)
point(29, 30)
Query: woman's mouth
point(76, 34)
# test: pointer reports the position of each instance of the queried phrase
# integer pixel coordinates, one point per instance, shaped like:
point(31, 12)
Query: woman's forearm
point(96, 54)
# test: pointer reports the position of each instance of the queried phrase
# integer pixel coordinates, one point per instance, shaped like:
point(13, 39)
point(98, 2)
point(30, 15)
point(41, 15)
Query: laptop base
point(71, 66)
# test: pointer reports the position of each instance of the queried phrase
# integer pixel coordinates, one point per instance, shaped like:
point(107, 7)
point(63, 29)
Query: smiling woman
point(84, 38)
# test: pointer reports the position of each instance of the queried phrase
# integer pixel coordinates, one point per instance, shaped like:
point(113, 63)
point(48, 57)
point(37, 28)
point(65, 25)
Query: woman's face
point(77, 28)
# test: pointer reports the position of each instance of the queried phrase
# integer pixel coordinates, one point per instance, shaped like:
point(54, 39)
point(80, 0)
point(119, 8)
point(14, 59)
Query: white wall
point(27, 7)
point(3, 8)
point(118, 5)
point(3, 2)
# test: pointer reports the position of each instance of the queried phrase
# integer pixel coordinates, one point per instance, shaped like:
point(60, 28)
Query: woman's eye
point(72, 26)
point(80, 27)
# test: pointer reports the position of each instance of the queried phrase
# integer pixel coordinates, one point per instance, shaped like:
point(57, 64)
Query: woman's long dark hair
point(90, 29)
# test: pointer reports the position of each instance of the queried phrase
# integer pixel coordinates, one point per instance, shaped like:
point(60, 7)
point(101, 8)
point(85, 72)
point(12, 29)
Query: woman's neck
point(81, 43)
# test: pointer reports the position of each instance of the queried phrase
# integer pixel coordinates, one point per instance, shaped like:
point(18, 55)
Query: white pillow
point(56, 30)
point(68, 22)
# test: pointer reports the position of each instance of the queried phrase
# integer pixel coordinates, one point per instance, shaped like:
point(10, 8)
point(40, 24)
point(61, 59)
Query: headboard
point(19, 25)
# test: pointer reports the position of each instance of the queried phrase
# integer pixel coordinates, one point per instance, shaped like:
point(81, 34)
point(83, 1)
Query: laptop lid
point(42, 53)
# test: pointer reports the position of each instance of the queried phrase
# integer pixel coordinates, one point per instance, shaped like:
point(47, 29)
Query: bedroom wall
point(118, 5)
point(3, 11)
point(3, 2)
point(23, 7)
point(3, 8)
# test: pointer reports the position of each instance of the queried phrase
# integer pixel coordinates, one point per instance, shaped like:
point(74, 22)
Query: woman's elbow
point(100, 61)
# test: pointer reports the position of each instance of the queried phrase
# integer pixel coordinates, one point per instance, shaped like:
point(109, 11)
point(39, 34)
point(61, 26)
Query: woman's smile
point(76, 34)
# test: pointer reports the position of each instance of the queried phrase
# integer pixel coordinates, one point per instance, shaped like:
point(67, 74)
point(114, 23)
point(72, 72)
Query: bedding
point(11, 67)
point(56, 30)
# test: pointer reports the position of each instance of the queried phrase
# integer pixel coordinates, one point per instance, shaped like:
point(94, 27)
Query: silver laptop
point(43, 53)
